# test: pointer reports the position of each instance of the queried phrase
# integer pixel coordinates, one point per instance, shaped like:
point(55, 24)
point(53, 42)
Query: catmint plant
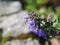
point(46, 31)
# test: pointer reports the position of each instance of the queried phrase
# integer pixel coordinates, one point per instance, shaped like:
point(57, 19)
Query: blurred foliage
point(58, 12)
point(33, 4)
point(30, 7)
point(58, 37)
point(5, 37)
point(1, 43)
point(41, 2)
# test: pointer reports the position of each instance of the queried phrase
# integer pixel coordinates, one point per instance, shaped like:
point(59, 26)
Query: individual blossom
point(26, 18)
point(35, 31)
point(57, 33)
point(49, 15)
point(41, 33)
point(32, 24)
point(32, 13)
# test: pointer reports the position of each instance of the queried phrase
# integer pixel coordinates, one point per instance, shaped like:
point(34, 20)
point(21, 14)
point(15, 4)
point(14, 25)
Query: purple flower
point(35, 30)
point(26, 18)
point(57, 33)
point(32, 27)
point(49, 15)
point(39, 32)
point(32, 24)
point(33, 13)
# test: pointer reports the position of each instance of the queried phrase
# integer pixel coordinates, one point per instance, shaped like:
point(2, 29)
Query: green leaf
point(58, 10)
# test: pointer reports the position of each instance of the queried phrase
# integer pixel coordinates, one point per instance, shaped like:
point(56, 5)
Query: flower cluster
point(37, 26)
